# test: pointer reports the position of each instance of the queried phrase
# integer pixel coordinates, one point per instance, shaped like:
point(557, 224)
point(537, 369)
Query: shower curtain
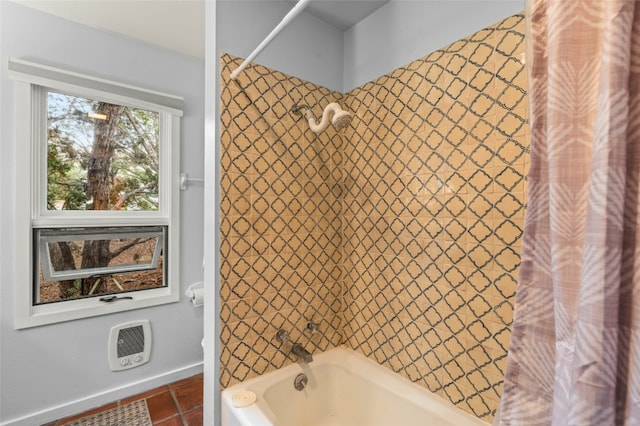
point(575, 348)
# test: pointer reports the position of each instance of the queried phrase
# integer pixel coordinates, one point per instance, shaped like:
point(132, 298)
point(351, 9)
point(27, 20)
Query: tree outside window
point(100, 156)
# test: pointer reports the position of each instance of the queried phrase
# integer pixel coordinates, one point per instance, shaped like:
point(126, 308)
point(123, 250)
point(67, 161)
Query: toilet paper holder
point(193, 294)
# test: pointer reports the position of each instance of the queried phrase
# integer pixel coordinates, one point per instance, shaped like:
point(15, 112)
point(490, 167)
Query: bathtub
point(344, 388)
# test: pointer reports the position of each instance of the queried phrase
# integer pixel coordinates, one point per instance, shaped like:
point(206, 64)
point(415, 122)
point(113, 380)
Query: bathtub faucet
point(301, 352)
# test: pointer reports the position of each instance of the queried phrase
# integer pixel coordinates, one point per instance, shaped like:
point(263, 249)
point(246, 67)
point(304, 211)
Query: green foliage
point(133, 166)
point(75, 290)
point(65, 173)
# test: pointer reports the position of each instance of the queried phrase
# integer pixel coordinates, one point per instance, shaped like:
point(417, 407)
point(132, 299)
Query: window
point(98, 227)
point(85, 262)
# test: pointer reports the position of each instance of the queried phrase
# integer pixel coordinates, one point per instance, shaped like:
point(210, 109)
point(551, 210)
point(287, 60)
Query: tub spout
point(301, 352)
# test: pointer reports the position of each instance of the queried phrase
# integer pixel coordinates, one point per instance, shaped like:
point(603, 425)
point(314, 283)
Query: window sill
point(90, 307)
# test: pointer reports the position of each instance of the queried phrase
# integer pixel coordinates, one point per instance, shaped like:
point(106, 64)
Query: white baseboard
point(102, 398)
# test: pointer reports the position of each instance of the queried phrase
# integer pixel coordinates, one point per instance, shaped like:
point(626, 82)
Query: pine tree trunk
point(96, 253)
point(99, 173)
point(62, 259)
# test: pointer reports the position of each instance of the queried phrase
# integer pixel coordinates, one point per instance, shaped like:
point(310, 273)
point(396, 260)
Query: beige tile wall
point(399, 235)
point(434, 197)
point(280, 230)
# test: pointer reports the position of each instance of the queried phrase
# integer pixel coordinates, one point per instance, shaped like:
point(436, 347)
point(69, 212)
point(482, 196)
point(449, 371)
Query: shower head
point(340, 120)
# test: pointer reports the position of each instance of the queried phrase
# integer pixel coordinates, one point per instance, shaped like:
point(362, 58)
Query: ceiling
point(178, 25)
point(342, 14)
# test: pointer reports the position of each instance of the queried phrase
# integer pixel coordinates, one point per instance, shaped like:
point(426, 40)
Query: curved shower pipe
point(340, 120)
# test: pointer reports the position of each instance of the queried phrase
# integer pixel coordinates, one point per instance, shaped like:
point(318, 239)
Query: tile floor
point(176, 404)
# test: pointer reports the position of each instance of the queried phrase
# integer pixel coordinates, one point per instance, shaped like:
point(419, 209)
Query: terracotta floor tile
point(193, 417)
point(172, 421)
point(189, 396)
point(88, 413)
point(161, 406)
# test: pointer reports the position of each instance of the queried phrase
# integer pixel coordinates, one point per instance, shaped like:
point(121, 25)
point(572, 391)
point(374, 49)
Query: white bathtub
point(344, 389)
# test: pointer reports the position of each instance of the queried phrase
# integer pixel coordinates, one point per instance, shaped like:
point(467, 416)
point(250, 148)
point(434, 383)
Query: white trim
point(23, 288)
point(211, 409)
point(31, 207)
point(47, 236)
point(56, 78)
point(83, 404)
point(92, 306)
point(101, 219)
point(42, 217)
point(38, 150)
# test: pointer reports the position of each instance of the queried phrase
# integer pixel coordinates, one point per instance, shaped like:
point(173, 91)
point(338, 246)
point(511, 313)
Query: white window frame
point(50, 274)
point(31, 82)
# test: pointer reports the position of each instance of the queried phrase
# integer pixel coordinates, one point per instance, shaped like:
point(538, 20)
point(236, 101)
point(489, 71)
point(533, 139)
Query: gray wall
point(402, 31)
point(394, 35)
point(62, 369)
point(307, 48)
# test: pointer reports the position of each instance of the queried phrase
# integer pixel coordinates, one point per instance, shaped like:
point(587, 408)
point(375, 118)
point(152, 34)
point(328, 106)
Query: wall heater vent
point(129, 345)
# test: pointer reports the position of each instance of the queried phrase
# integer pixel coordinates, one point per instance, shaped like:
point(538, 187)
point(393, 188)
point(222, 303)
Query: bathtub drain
point(300, 382)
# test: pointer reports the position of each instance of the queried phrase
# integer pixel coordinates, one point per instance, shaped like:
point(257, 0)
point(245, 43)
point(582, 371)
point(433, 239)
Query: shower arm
point(307, 112)
point(316, 127)
point(329, 110)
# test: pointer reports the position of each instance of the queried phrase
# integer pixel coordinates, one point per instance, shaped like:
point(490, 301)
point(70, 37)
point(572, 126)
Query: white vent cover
point(129, 345)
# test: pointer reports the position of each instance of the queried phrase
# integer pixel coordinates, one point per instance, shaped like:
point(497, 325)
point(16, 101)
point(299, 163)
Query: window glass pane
point(86, 262)
point(100, 156)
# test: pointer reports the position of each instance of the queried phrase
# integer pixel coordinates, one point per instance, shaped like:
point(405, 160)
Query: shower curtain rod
point(285, 21)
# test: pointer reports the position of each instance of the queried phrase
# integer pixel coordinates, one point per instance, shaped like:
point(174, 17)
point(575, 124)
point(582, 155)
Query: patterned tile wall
point(280, 224)
point(400, 235)
point(433, 212)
